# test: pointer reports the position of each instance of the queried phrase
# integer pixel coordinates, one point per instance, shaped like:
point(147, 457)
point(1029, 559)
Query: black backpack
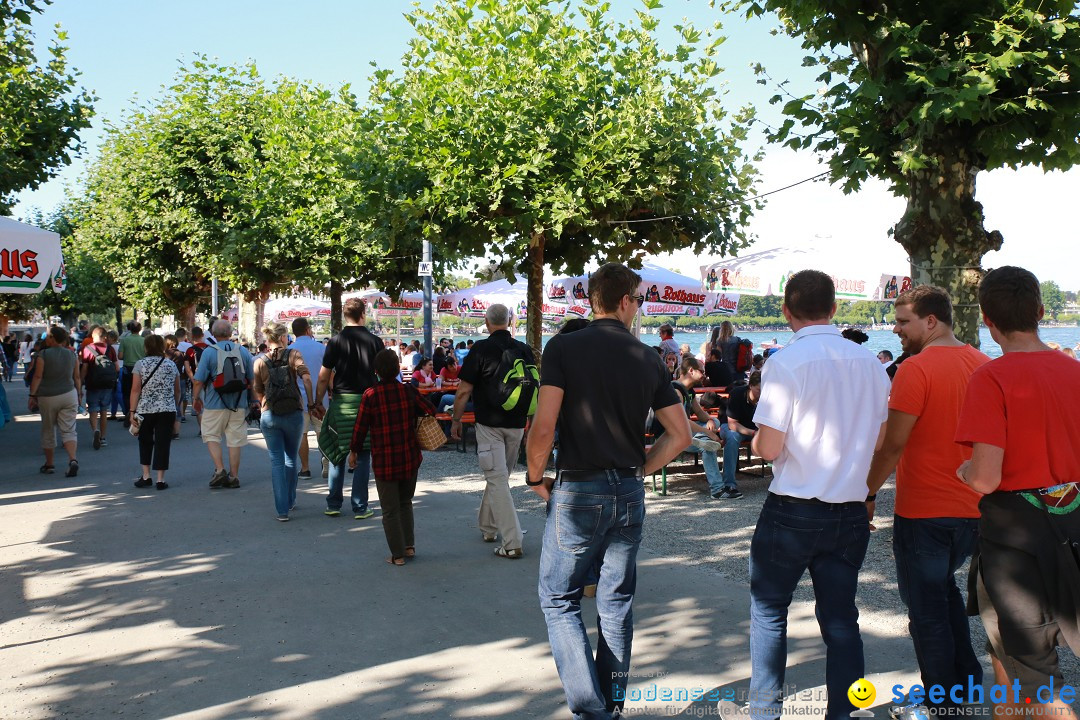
point(282, 392)
point(101, 375)
point(230, 377)
point(516, 384)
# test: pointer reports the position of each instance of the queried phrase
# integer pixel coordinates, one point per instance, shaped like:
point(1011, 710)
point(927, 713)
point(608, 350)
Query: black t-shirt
point(717, 374)
point(351, 355)
point(739, 407)
point(480, 367)
point(610, 380)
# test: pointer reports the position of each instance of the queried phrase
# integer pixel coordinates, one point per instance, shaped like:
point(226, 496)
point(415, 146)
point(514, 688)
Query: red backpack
point(744, 355)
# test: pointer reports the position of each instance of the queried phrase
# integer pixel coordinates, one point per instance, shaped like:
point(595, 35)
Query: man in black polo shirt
point(498, 430)
point(596, 502)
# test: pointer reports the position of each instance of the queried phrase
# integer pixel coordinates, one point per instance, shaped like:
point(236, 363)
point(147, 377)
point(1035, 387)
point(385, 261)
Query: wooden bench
point(468, 422)
point(663, 471)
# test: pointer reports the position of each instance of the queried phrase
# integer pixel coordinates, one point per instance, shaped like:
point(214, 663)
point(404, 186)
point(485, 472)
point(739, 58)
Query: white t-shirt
point(830, 396)
point(183, 346)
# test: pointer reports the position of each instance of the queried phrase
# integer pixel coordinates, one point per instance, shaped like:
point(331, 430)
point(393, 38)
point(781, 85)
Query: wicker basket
point(429, 433)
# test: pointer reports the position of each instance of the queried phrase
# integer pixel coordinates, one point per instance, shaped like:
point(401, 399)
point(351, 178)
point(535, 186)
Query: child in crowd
point(389, 411)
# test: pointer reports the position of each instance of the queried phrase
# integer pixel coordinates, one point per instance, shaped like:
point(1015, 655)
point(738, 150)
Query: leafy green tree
point(533, 134)
point(925, 96)
point(90, 287)
point(1053, 298)
point(41, 110)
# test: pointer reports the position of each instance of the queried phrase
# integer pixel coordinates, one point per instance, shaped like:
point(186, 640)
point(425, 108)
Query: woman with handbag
point(389, 412)
point(155, 390)
point(282, 419)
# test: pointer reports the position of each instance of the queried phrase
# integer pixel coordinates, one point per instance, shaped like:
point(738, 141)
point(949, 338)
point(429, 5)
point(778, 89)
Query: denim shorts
point(99, 400)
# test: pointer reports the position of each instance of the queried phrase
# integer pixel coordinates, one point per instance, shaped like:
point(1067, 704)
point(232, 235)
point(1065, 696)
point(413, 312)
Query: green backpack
point(516, 386)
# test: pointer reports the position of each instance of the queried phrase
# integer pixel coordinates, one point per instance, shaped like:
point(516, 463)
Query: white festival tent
point(473, 302)
point(665, 293)
point(30, 259)
point(287, 309)
point(765, 272)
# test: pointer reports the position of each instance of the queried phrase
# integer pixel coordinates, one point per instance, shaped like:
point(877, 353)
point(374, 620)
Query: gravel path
point(689, 527)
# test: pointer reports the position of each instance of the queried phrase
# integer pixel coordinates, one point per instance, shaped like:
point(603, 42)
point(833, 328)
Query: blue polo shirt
point(208, 369)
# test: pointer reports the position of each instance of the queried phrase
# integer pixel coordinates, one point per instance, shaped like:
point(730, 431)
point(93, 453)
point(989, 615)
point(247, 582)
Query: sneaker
point(705, 443)
point(727, 494)
point(97, 439)
point(143, 482)
point(283, 518)
point(234, 482)
point(220, 479)
point(304, 474)
point(325, 468)
point(362, 514)
point(104, 442)
point(183, 418)
point(331, 512)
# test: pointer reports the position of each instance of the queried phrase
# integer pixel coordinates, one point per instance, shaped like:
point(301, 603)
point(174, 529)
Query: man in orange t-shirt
point(1019, 417)
point(936, 523)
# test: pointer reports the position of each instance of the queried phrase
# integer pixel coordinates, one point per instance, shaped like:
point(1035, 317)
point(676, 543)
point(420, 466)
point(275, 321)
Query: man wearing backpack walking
point(220, 393)
point(500, 376)
point(99, 375)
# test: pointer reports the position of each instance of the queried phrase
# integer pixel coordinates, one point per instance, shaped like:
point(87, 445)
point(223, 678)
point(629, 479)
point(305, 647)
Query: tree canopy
point(535, 134)
point(927, 95)
point(41, 109)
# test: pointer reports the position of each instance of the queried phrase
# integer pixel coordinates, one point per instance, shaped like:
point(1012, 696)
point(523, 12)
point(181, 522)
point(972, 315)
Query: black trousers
point(125, 389)
point(155, 439)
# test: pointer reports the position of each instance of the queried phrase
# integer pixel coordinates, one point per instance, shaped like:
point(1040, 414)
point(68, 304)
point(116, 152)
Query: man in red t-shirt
point(99, 379)
point(1019, 417)
point(936, 523)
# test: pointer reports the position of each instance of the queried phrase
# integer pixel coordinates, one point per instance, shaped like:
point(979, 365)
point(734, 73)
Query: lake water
point(879, 339)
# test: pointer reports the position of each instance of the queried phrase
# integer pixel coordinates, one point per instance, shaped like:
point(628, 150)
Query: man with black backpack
point(500, 376)
point(99, 375)
point(225, 372)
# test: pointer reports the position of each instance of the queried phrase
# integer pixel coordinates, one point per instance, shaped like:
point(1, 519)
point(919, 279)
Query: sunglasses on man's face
point(638, 298)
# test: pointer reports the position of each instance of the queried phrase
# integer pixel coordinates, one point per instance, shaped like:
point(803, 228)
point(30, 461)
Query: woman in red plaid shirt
point(389, 411)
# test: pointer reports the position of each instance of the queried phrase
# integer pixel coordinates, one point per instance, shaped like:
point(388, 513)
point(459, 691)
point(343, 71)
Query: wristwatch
point(530, 482)
point(871, 498)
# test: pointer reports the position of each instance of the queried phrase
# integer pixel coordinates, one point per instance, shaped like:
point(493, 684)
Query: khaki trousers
point(497, 449)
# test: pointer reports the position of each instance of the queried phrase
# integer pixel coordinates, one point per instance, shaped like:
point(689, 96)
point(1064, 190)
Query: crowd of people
point(984, 454)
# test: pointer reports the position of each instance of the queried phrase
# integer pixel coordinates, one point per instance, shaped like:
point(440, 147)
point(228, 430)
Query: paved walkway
point(191, 603)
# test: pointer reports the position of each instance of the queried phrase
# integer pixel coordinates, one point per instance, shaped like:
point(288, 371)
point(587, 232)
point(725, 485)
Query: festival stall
point(285, 310)
point(665, 293)
point(407, 303)
point(766, 272)
point(473, 302)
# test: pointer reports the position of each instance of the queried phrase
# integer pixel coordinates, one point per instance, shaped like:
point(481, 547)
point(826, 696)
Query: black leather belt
point(588, 475)
point(811, 501)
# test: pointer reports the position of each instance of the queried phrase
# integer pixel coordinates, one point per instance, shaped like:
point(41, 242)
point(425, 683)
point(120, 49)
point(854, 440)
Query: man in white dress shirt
point(821, 415)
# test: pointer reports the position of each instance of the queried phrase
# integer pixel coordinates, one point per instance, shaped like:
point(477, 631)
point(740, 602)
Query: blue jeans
point(732, 439)
point(711, 464)
point(830, 540)
point(282, 434)
point(928, 552)
point(118, 394)
point(596, 520)
point(360, 477)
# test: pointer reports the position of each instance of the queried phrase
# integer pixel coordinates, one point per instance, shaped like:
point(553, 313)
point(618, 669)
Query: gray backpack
point(282, 392)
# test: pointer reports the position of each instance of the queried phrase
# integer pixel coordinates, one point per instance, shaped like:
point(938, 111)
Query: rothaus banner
point(30, 259)
point(665, 293)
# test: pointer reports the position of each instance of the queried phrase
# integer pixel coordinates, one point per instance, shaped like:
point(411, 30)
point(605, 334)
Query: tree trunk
point(119, 319)
point(943, 233)
point(534, 325)
point(3, 325)
point(185, 317)
point(337, 321)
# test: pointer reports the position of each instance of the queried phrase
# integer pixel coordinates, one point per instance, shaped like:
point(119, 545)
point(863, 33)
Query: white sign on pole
point(425, 268)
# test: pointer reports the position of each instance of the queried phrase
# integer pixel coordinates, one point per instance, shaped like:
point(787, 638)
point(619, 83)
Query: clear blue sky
point(129, 48)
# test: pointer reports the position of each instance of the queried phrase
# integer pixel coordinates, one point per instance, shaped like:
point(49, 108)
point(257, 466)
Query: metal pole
point(427, 303)
point(213, 297)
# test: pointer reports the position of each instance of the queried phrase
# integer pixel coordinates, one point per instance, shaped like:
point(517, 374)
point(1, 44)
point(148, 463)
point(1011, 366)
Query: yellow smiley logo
point(862, 693)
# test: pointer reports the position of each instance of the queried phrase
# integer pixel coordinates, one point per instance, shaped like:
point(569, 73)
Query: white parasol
point(31, 259)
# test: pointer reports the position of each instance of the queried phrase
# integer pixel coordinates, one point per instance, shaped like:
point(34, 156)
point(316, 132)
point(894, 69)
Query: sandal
point(47, 469)
point(513, 554)
point(410, 552)
point(73, 469)
point(161, 485)
point(143, 482)
point(396, 561)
